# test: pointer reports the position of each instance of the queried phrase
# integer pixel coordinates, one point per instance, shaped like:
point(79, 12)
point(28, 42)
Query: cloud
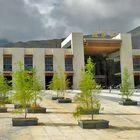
point(19, 21)
point(45, 19)
point(91, 15)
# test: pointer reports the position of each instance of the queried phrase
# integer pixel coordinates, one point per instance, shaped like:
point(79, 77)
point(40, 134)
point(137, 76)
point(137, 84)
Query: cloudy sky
point(22, 20)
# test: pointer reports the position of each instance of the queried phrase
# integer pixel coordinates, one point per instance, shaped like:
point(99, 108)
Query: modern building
point(110, 56)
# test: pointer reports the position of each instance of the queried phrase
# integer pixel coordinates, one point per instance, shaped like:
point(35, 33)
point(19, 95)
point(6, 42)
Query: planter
point(93, 124)
point(3, 109)
point(65, 100)
point(24, 121)
point(6, 100)
point(9, 102)
point(127, 102)
point(3, 98)
point(17, 106)
point(55, 98)
point(36, 110)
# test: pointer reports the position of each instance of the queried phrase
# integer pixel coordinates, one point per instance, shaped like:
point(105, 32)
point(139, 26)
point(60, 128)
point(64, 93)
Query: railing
point(68, 67)
point(136, 67)
point(7, 67)
point(28, 67)
point(48, 67)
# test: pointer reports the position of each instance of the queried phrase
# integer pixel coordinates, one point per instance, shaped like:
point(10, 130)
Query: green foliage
point(23, 87)
point(54, 84)
point(63, 82)
point(59, 82)
point(86, 99)
point(20, 110)
point(37, 87)
point(126, 86)
point(4, 88)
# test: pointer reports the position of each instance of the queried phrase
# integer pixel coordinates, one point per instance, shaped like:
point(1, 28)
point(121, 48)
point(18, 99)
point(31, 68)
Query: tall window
point(117, 67)
point(69, 64)
point(28, 63)
point(136, 64)
point(48, 63)
point(7, 63)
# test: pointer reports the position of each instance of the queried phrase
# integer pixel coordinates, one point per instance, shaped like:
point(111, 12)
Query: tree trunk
point(25, 108)
point(92, 108)
point(35, 100)
point(57, 93)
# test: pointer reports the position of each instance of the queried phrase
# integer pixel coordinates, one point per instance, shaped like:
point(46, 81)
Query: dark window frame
point(68, 64)
point(28, 63)
point(7, 63)
point(49, 63)
point(136, 64)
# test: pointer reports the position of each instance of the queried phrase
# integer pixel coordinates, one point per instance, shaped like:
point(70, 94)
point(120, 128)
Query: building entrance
point(47, 81)
point(9, 80)
point(105, 70)
point(70, 80)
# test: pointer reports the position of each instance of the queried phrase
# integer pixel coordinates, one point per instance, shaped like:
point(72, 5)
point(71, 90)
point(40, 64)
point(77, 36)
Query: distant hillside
point(54, 43)
point(135, 33)
point(4, 42)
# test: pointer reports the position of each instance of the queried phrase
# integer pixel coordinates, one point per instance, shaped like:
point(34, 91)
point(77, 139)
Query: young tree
point(23, 87)
point(54, 84)
point(126, 85)
point(37, 87)
point(4, 88)
point(59, 82)
point(86, 99)
point(63, 82)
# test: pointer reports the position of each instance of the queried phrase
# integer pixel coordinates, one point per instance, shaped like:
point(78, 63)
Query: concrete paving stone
point(59, 138)
point(59, 124)
point(52, 131)
point(73, 137)
point(37, 130)
point(41, 137)
point(22, 137)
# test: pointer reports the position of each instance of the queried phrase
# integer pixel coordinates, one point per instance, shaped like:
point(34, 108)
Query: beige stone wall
point(77, 49)
point(78, 59)
point(39, 63)
point(58, 59)
point(1, 59)
point(17, 55)
point(126, 59)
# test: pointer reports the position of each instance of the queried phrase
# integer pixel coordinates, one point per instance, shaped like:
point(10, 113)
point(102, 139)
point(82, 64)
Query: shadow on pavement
point(58, 112)
point(119, 114)
point(115, 99)
point(123, 128)
point(57, 124)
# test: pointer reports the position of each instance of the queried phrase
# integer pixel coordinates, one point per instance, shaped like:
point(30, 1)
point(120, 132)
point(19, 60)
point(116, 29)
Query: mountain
point(4, 42)
point(135, 34)
point(54, 43)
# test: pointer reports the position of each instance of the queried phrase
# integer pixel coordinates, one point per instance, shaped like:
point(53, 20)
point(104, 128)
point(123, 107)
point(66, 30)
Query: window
point(48, 63)
point(68, 64)
point(28, 63)
point(117, 67)
point(136, 64)
point(7, 63)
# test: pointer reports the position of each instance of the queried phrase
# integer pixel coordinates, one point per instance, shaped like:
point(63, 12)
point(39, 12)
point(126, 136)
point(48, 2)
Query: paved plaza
point(58, 123)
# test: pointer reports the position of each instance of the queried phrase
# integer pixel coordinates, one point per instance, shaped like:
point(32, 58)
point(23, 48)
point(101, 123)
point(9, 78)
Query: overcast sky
point(22, 20)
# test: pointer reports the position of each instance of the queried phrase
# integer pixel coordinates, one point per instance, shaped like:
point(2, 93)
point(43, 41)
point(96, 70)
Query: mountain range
point(4, 42)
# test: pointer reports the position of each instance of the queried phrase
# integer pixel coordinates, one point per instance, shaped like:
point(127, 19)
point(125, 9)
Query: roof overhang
point(93, 46)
